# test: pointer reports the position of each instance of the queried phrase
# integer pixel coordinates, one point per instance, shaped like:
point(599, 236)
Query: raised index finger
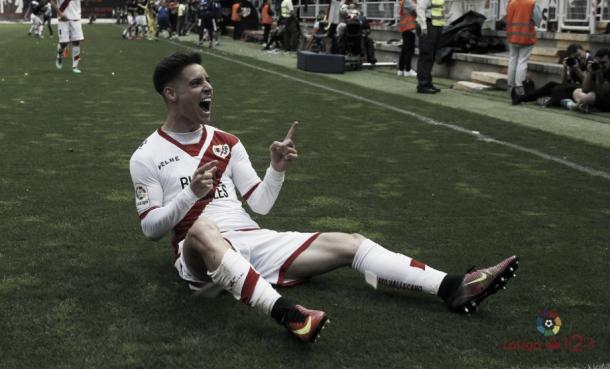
point(291, 130)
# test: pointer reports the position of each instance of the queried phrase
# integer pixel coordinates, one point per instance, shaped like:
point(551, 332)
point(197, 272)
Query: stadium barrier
point(566, 15)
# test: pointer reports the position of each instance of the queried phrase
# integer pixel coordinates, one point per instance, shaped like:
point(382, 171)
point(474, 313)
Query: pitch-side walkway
point(592, 128)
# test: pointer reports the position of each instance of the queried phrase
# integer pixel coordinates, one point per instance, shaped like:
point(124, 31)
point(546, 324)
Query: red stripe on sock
point(418, 264)
point(248, 288)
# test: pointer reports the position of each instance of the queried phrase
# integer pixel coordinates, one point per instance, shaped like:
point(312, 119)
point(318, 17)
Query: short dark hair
point(573, 48)
point(602, 52)
point(171, 66)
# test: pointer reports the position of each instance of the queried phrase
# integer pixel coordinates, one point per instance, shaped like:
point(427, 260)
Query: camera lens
point(595, 66)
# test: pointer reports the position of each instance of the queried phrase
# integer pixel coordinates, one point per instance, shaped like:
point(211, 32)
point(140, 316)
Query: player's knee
point(356, 240)
point(201, 235)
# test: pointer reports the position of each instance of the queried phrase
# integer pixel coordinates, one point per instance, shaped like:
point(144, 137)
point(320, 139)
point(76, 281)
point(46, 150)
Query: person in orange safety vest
point(406, 26)
point(522, 16)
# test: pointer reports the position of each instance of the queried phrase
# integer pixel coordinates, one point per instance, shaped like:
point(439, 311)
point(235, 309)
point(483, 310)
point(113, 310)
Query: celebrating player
point(69, 28)
point(35, 13)
point(132, 8)
point(186, 177)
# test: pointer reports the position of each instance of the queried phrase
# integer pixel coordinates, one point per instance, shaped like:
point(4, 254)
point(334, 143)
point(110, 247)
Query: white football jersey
point(162, 167)
point(70, 8)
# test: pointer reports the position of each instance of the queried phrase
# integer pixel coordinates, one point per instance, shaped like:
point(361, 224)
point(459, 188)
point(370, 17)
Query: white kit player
point(35, 12)
point(141, 20)
point(69, 29)
point(187, 176)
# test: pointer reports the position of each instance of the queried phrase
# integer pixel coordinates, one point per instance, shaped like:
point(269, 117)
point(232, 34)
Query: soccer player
point(186, 177)
point(34, 13)
point(141, 20)
point(132, 8)
point(69, 28)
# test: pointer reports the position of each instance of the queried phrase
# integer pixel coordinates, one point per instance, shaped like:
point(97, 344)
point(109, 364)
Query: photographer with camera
point(595, 91)
point(572, 76)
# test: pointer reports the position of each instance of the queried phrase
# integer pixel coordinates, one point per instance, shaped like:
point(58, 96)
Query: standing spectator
point(334, 20)
point(236, 19)
point(173, 16)
point(218, 20)
point(181, 20)
point(406, 26)
point(206, 17)
point(163, 19)
point(151, 14)
point(430, 22)
point(192, 15)
point(266, 21)
point(288, 19)
point(521, 18)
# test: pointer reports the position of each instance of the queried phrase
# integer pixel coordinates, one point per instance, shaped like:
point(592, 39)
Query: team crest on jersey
point(222, 151)
point(141, 195)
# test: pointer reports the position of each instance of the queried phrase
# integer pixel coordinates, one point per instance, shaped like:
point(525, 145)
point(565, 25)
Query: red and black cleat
point(479, 284)
point(309, 329)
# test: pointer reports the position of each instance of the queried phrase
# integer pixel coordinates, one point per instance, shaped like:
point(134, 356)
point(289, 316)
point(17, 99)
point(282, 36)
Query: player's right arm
point(60, 14)
point(156, 219)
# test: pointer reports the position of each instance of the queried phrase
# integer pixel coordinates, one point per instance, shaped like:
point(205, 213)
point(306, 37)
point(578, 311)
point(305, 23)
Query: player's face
point(195, 94)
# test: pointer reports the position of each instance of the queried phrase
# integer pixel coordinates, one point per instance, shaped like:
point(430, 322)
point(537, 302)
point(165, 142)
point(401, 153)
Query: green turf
point(80, 287)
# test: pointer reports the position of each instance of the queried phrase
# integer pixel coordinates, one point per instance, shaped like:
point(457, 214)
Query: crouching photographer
point(595, 91)
point(572, 76)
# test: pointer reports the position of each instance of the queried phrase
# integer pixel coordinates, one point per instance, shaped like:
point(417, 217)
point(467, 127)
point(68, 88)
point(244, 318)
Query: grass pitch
point(80, 287)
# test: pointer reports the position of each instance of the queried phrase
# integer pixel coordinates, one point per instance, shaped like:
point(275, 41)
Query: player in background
point(47, 15)
point(186, 177)
point(141, 21)
point(34, 14)
point(69, 29)
point(132, 8)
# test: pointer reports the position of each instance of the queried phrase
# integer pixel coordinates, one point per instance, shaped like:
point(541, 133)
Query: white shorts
point(269, 252)
point(36, 21)
point(130, 19)
point(70, 31)
point(141, 20)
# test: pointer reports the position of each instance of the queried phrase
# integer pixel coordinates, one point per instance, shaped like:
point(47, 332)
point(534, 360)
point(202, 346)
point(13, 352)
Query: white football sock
point(395, 270)
point(60, 52)
point(238, 277)
point(75, 56)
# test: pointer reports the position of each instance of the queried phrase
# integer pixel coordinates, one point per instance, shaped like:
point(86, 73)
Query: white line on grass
point(427, 120)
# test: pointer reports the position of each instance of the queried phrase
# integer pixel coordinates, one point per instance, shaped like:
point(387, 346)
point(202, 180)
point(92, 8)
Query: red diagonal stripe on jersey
point(249, 285)
point(144, 214)
point(193, 214)
point(247, 195)
point(64, 5)
point(192, 149)
point(418, 264)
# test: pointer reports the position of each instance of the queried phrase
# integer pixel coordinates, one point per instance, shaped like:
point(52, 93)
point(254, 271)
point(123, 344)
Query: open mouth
point(205, 104)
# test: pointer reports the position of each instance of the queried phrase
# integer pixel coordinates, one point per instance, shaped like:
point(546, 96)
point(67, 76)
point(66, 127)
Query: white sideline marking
point(430, 121)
